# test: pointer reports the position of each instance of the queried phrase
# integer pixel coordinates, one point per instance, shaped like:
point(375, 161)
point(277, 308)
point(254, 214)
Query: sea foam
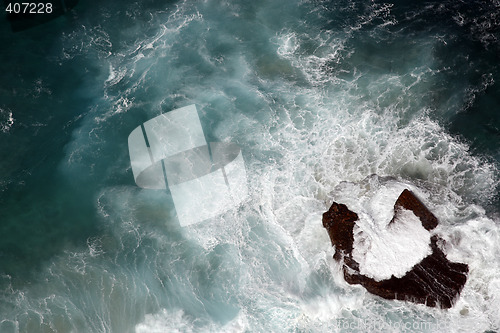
point(317, 117)
point(393, 250)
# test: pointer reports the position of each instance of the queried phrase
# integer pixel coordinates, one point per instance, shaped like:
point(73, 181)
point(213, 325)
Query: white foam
point(177, 321)
point(6, 120)
point(394, 250)
point(381, 206)
point(302, 142)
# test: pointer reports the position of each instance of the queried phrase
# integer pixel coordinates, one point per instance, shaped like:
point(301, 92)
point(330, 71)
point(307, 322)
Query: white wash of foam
point(394, 250)
point(6, 120)
point(337, 146)
point(177, 321)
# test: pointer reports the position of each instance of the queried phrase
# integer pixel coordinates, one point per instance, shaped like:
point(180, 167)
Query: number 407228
point(29, 8)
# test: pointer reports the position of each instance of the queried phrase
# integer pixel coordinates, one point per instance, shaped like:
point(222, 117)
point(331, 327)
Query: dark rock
point(435, 281)
point(339, 221)
point(409, 201)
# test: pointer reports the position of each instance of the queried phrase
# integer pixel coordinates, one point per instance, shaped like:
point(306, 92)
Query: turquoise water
point(328, 100)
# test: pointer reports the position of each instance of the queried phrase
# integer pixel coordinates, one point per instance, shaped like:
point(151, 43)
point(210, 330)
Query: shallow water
point(328, 100)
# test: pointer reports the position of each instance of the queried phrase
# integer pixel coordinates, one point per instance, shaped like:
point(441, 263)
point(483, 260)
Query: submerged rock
point(434, 281)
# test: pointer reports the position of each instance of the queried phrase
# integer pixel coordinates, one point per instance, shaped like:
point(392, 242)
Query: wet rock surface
point(434, 281)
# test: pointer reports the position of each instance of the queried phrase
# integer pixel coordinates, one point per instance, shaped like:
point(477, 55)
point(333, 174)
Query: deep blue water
point(325, 99)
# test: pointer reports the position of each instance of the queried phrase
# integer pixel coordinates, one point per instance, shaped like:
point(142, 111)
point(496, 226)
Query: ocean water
point(339, 100)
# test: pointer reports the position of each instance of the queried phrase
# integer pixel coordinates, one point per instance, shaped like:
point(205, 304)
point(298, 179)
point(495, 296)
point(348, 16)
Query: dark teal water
point(316, 93)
